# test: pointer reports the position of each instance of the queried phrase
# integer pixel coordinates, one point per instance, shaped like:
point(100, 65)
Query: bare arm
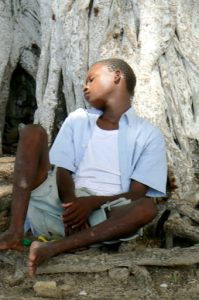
point(65, 184)
point(137, 190)
point(66, 189)
point(78, 211)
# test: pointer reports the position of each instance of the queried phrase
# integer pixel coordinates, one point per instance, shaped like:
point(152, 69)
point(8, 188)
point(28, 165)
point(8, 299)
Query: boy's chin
point(96, 104)
point(100, 107)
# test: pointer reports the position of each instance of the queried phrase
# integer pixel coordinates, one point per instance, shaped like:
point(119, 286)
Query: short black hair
point(116, 63)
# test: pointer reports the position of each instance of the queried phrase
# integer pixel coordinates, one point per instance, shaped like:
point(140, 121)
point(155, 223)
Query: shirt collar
point(130, 114)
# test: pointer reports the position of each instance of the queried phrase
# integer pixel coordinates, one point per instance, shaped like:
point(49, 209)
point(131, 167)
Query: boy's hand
point(69, 230)
point(77, 212)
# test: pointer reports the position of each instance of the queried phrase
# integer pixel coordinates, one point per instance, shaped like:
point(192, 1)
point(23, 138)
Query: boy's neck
point(109, 120)
point(115, 111)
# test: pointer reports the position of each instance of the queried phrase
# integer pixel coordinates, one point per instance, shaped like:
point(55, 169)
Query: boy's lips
point(86, 94)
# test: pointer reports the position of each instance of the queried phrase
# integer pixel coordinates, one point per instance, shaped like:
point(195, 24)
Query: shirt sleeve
point(62, 152)
point(151, 167)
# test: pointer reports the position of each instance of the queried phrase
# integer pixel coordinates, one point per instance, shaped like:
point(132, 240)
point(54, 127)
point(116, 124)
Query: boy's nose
point(85, 88)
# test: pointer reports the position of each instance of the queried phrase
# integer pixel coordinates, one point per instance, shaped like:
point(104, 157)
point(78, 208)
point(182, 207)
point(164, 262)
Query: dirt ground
point(121, 282)
point(152, 283)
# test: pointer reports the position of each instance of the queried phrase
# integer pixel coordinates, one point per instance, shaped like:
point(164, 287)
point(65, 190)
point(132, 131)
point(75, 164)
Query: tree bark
point(100, 263)
point(159, 39)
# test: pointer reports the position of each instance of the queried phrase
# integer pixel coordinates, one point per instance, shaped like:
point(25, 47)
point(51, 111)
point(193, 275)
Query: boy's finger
point(79, 224)
point(74, 221)
point(69, 219)
point(70, 211)
point(65, 205)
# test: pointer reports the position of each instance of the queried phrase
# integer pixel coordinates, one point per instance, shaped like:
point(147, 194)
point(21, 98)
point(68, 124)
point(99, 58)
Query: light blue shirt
point(142, 154)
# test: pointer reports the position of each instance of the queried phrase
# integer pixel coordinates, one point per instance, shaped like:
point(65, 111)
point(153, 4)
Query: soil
point(159, 283)
point(147, 283)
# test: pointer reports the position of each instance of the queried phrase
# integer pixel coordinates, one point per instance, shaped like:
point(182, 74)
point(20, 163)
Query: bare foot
point(10, 240)
point(38, 253)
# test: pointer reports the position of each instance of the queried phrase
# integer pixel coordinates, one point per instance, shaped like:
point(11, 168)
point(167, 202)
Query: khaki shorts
point(45, 210)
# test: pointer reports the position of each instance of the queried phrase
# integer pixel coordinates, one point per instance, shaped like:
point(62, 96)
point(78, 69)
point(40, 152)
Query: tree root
point(100, 263)
point(183, 221)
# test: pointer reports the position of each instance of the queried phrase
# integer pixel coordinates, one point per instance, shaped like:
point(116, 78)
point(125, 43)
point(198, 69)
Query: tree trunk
point(159, 39)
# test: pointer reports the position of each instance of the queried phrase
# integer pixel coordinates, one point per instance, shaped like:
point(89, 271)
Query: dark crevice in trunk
point(61, 110)
point(20, 108)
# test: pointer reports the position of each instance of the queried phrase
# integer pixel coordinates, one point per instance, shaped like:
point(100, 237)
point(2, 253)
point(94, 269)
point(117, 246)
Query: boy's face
point(99, 86)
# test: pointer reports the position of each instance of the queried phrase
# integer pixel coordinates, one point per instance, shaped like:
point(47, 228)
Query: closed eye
point(89, 80)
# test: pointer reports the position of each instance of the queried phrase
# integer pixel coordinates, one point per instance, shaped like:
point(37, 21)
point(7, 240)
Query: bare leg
point(122, 221)
point(31, 169)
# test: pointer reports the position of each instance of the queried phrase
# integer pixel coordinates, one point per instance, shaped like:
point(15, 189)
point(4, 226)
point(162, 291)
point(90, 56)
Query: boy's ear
point(118, 76)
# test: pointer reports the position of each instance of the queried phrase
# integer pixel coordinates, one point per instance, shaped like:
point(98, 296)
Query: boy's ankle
point(15, 232)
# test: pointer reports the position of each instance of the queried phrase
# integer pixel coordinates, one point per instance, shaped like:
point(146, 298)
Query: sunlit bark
point(159, 39)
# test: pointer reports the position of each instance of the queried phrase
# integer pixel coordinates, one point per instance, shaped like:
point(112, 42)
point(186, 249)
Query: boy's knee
point(152, 209)
point(33, 131)
point(148, 208)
